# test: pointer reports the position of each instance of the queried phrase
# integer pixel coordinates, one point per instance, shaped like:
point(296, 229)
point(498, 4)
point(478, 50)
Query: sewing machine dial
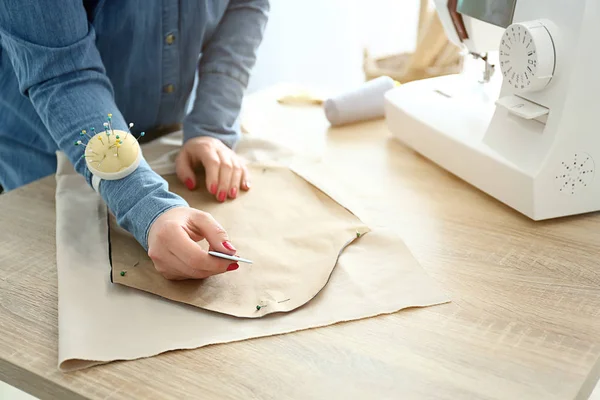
point(527, 56)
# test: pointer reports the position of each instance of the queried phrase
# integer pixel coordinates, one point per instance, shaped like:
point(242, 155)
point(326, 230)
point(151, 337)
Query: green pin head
point(258, 308)
point(123, 273)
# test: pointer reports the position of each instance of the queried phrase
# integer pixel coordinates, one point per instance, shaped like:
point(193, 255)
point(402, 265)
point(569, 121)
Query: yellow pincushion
point(112, 154)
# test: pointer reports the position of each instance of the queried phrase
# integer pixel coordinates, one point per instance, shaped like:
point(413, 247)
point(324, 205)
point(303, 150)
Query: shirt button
point(168, 88)
point(170, 38)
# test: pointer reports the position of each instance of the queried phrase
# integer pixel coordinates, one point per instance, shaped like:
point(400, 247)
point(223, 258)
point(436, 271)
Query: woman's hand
point(226, 173)
point(173, 249)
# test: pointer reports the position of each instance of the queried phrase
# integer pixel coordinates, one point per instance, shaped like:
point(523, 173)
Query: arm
point(224, 71)
point(52, 49)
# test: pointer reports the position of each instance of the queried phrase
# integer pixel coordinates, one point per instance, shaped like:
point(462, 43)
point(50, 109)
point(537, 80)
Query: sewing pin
point(84, 133)
point(129, 130)
point(117, 143)
point(80, 143)
point(228, 257)
point(142, 134)
point(110, 123)
point(258, 306)
point(86, 156)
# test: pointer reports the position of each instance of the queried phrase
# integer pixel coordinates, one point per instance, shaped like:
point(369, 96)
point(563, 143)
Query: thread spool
point(363, 103)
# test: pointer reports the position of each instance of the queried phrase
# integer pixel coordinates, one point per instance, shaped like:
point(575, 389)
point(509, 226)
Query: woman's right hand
point(173, 249)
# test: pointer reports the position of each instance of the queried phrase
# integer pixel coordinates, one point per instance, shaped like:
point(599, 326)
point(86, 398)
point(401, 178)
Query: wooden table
point(523, 323)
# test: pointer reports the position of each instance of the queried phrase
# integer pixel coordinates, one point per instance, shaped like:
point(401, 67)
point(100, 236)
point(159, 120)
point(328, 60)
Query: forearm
point(224, 72)
point(59, 68)
point(81, 100)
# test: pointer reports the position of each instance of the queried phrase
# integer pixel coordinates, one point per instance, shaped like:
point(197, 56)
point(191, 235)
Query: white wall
point(320, 42)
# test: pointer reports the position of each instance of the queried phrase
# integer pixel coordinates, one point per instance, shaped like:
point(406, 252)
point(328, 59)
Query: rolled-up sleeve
point(224, 71)
point(51, 47)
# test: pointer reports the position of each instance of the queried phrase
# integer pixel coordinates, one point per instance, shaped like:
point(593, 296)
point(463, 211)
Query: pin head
point(131, 124)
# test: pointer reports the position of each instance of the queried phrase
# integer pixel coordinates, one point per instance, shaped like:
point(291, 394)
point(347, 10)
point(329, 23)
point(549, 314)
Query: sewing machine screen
point(496, 12)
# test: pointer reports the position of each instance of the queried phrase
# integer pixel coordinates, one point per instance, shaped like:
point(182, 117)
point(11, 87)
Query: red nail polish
point(213, 188)
point(222, 195)
point(189, 184)
point(228, 246)
point(233, 193)
point(233, 267)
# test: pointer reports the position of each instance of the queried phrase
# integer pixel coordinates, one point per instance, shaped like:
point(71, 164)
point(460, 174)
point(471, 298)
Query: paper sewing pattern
point(376, 275)
point(292, 231)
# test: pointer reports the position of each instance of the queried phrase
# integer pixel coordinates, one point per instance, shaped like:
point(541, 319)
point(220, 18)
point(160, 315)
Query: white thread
point(363, 103)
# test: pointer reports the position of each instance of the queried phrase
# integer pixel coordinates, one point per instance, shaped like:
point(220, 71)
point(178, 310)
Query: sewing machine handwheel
point(527, 56)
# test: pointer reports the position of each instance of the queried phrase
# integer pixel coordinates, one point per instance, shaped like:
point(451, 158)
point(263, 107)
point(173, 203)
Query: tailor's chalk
point(228, 257)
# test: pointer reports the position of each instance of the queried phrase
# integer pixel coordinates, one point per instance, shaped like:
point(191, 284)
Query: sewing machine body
point(532, 147)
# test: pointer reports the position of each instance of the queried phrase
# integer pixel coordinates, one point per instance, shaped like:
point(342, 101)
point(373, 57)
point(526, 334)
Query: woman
point(66, 64)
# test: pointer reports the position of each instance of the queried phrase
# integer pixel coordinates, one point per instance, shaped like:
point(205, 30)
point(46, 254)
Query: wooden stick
point(424, 15)
point(430, 45)
point(447, 56)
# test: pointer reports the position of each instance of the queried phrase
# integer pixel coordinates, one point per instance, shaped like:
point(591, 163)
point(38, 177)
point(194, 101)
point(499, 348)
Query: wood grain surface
point(523, 323)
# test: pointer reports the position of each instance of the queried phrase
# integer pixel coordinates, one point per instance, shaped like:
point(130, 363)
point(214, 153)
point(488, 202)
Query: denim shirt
point(66, 64)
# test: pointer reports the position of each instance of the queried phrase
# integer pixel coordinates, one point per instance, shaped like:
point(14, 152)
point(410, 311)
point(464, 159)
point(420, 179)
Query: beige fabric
point(376, 275)
point(292, 231)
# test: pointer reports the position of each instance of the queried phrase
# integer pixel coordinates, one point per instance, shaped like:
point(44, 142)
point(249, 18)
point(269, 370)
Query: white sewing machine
point(526, 134)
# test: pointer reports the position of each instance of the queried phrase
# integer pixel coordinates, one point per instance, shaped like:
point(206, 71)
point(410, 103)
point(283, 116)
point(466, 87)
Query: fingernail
point(247, 185)
point(189, 184)
point(222, 195)
point(233, 193)
point(213, 188)
point(228, 246)
point(233, 267)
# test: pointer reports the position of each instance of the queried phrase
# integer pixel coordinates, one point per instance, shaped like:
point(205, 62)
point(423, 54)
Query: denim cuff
point(138, 200)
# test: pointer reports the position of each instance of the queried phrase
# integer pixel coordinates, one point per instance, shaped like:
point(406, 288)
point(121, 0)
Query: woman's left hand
point(226, 172)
